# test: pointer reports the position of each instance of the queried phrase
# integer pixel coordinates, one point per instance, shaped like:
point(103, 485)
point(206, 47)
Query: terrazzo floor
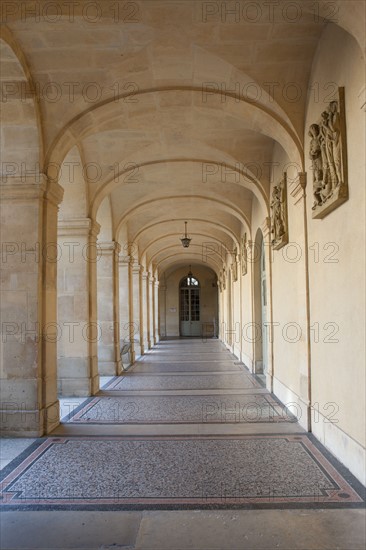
point(182, 409)
point(207, 381)
point(196, 430)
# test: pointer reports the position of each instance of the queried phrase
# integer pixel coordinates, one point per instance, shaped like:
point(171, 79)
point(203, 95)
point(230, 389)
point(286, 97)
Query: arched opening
point(190, 306)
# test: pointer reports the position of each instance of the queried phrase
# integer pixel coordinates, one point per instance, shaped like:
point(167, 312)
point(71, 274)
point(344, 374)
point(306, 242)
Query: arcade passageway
point(182, 198)
point(187, 428)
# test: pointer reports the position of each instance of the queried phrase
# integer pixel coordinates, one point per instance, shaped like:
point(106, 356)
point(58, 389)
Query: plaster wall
point(337, 264)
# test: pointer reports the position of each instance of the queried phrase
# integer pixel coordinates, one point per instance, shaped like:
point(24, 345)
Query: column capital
point(298, 187)
point(124, 260)
point(31, 187)
point(94, 229)
point(136, 268)
point(77, 227)
point(54, 193)
point(108, 247)
point(23, 187)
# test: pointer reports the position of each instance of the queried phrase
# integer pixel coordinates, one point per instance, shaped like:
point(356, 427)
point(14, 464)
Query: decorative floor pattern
point(182, 409)
point(193, 367)
point(208, 381)
point(284, 468)
point(175, 472)
point(189, 356)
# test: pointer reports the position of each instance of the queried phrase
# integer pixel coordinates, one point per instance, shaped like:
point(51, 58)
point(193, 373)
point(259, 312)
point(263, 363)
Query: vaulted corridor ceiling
point(175, 108)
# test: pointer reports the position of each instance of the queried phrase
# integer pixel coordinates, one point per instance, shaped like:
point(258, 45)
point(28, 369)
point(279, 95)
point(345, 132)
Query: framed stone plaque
point(328, 154)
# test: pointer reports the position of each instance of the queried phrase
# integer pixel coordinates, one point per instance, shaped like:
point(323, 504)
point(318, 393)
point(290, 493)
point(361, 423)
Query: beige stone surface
point(119, 131)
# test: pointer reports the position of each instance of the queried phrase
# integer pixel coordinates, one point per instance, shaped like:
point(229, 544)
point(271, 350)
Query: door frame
point(199, 323)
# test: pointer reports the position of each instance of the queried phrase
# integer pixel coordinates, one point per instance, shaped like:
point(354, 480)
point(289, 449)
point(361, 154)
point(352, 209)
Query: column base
point(107, 368)
point(126, 361)
point(21, 422)
point(76, 387)
point(51, 416)
point(119, 367)
point(138, 351)
point(95, 384)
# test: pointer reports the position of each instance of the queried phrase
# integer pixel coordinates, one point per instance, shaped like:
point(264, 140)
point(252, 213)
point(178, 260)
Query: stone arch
point(251, 182)
point(263, 118)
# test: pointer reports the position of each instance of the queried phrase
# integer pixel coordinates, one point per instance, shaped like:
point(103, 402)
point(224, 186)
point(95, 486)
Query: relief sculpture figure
point(327, 152)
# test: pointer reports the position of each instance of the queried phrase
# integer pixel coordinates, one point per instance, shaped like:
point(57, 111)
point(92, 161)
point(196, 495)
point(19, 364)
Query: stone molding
point(94, 230)
point(136, 268)
point(78, 227)
point(54, 194)
point(26, 188)
point(124, 260)
point(108, 247)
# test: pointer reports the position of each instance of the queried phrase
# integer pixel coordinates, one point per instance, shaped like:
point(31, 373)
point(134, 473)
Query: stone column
point(145, 309)
point(108, 305)
point(108, 322)
point(116, 315)
point(124, 302)
point(50, 404)
point(93, 337)
point(77, 308)
point(151, 337)
point(135, 310)
point(157, 311)
point(29, 332)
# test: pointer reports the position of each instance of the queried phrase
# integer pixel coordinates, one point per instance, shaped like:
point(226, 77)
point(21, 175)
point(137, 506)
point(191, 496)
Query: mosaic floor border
point(171, 382)
point(342, 490)
point(126, 410)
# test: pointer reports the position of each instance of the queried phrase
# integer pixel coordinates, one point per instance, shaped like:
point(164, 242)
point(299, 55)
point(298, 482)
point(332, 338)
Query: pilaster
point(109, 363)
point(136, 310)
point(29, 404)
point(156, 312)
point(77, 307)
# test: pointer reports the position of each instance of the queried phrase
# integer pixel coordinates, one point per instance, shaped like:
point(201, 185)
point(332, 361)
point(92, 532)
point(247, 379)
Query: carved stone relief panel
point(234, 265)
point(328, 154)
point(224, 278)
point(279, 219)
point(244, 255)
point(219, 281)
